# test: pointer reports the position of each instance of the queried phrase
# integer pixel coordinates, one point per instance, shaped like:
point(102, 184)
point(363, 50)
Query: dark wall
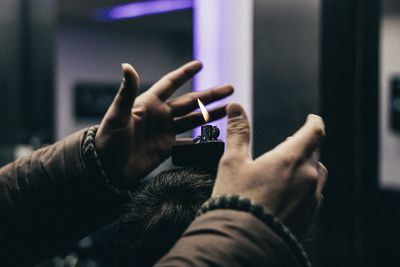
point(286, 48)
point(301, 68)
point(26, 73)
point(349, 99)
point(286, 74)
point(26, 63)
point(10, 67)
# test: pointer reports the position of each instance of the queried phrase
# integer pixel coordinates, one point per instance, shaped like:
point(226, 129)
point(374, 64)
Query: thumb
point(238, 132)
point(123, 101)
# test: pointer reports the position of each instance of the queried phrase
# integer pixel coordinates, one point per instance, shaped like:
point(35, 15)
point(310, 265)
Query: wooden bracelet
point(93, 163)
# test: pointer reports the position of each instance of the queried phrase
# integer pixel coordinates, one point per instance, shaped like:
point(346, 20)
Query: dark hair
point(159, 213)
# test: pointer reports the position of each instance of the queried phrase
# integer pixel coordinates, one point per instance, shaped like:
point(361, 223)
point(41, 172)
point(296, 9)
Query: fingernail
point(234, 114)
point(129, 73)
point(125, 65)
point(312, 117)
point(195, 67)
point(234, 110)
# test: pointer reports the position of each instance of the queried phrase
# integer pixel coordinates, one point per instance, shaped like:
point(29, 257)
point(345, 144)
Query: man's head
point(159, 213)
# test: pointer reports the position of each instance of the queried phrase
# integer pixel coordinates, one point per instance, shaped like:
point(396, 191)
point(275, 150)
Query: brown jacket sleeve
point(48, 201)
point(229, 238)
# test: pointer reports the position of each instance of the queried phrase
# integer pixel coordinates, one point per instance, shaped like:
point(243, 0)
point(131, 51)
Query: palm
point(132, 141)
point(153, 136)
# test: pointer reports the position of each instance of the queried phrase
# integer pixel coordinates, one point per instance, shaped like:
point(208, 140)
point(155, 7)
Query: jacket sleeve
point(229, 238)
point(48, 201)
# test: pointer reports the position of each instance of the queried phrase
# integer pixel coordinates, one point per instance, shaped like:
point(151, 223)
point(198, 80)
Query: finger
point(123, 101)
point(168, 84)
point(188, 102)
point(196, 119)
point(306, 139)
point(323, 176)
point(238, 132)
point(315, 155)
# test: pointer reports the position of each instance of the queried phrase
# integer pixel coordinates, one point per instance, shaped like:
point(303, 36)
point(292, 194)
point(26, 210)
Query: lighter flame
point(204, 111)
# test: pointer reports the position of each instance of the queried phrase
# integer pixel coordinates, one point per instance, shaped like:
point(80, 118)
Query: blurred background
point(60, 68)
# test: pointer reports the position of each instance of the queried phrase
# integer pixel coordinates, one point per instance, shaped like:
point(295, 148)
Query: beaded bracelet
point(236, 202)
point(93, 162)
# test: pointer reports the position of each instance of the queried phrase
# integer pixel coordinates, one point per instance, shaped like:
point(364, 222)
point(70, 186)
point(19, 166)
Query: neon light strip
point(140, 9)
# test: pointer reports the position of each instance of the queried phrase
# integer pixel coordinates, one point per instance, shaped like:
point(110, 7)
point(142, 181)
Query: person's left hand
point(288, 180)
point(135, 136)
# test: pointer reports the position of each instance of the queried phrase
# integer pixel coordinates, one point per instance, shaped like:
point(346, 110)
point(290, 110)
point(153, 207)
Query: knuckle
point(212, 93)
point(190, 98)
point(319, 132)
point(229, 161)
point(225, 162)
point(289, 159)
point(172, 79)
point(186, 73)
point(237, 126)
point(311, 176)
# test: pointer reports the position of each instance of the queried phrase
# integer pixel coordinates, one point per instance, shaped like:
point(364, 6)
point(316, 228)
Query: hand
point(135, 136)
point(287, 180)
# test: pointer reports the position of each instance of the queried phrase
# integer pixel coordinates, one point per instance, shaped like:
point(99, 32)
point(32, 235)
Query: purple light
point(206, 44)
point(223, 42)
point(139, 9)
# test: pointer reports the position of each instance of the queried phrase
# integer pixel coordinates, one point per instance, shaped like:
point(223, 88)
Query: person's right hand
point(138, 132)
point(287, 180)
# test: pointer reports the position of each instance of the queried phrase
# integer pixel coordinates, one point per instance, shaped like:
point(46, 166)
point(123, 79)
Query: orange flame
point(204, 111)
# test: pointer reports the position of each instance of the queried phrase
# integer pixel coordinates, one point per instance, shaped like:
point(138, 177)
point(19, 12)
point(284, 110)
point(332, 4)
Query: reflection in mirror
point(91, 43)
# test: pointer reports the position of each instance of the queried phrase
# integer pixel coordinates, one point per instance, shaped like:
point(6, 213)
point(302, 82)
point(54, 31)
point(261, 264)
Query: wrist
point(238, 203)
point(94, 165)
